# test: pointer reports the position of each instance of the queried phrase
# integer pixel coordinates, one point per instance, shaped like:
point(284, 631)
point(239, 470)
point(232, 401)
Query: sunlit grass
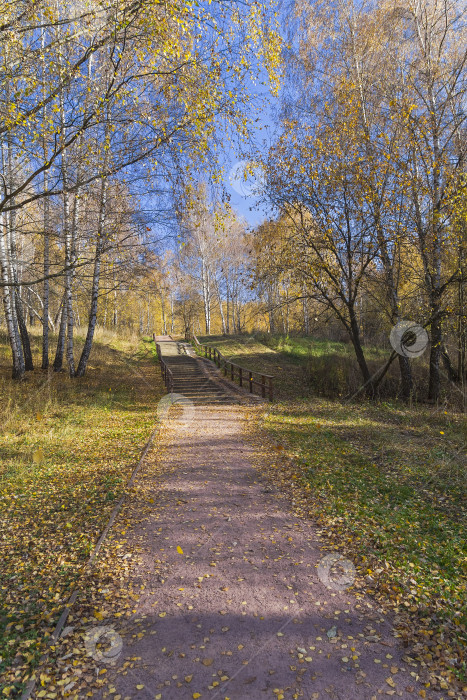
point(67, 449)
point(389, 483)
point(386, 481)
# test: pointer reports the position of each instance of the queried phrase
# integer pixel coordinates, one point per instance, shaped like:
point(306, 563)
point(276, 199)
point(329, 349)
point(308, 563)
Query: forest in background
point(117, 220)
point(105, 109)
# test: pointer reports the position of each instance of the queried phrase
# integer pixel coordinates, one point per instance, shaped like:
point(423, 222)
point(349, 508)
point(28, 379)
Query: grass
point(250, 352)
point(301, 366)
point(67, 450)
point(307, 366)
point(386, 481)
point(300, 348)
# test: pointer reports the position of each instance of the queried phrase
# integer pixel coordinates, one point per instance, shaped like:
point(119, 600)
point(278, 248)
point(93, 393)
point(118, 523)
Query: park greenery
point(115, 214)
point(118, 121)
point(385, 481)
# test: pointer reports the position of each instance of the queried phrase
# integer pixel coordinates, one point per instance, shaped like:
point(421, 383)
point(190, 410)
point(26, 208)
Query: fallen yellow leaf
point(38, 455)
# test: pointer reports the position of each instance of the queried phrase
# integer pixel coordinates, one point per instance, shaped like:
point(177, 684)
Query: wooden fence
point(167, 375)
point(244, 375)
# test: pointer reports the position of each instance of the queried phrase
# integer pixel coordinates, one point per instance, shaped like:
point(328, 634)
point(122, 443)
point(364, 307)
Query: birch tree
point(168, 72)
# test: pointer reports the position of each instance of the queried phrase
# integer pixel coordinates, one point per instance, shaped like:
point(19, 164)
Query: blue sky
point(264, 114)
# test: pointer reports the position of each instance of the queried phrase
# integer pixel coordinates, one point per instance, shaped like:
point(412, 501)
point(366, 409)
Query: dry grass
point(67, 449)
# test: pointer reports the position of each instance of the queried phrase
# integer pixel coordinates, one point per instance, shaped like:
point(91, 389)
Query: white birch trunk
point(9, 307)
point(95, 281)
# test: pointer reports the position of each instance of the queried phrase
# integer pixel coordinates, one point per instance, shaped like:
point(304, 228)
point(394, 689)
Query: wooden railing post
point(167, 375)
point(266, 383)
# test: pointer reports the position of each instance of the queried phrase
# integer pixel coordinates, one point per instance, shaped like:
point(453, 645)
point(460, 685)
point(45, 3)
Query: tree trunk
point(435, 283)
point(115, 307)
point(406, 377)
point(69, 247)
point(306, 313)
point(83, 361)
point(68, 282)
point(382, 238)
point(461, 329)
point(60, 351)
point(76, 312)
point(221, 310)
point(206, 296)
point(46, 264)
point(164, 322)
point(9, 309)
point(234, 318)
point(28, 363)
point(435, 356)
point(11, 237)
point(227, 314)
point(148, 317)
point(354, 332)
point(32, 318)
point(271, 316)
point(450, 369)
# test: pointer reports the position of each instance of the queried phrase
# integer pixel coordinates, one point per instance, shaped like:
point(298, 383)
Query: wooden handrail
point(236, 371)
point(167, 375)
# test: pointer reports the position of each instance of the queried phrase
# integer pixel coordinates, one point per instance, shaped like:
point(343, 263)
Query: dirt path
point(233, 606)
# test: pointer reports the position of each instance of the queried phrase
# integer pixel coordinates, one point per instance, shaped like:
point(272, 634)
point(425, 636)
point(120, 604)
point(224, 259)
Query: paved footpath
point(233, 606)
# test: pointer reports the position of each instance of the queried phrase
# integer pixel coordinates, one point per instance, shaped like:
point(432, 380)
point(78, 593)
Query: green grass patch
point(301, 366)
point(67, 450)
point(250, 352)
point(389, 482)
point(301, 348)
